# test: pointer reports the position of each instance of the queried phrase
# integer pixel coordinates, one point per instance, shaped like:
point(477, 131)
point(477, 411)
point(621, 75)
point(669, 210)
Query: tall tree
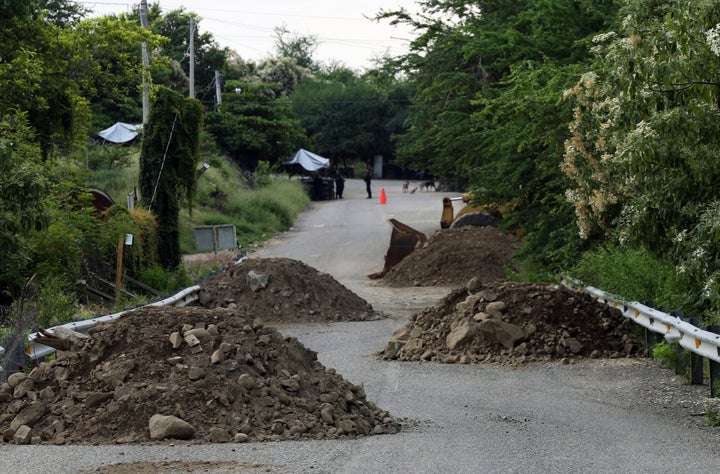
point(350, 117)
point(23, 187)
point(296, 46)
point(644, 150)
point(168, 161)
point(255, 123)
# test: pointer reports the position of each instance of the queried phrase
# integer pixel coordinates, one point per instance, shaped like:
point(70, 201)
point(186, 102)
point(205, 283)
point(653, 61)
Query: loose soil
point(512, 324)
point(236, 380)
point(452, 256)
point(542, 321)
point(294, 292)
point(240, 380)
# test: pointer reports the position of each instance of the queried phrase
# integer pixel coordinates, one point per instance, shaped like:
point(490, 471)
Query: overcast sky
point(343, 32)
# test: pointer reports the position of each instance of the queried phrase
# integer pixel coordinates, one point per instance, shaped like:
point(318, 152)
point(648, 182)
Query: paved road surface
point(547, 418)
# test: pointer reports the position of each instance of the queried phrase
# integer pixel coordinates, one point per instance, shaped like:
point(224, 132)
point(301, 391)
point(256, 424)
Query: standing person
point(368, 179)
point(339, 184)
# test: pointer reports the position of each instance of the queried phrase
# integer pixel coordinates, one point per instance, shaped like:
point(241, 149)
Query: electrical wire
point(162, 165)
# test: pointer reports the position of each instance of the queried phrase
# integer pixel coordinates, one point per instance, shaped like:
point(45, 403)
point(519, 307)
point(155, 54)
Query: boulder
point(504, 333)
point(168, 426)
point(463, 332)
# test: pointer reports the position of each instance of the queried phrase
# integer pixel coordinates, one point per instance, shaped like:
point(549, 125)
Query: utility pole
point(218, 91)
point(192, 57)
point(146, 64)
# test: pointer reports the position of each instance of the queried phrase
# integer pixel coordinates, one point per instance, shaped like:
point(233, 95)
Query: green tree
point(296, 46)
point(168, 161)
point(643, 154)
point(255, 124)
point(112, 67)
point(350, 117)
point(38, 77)
point(23, 188)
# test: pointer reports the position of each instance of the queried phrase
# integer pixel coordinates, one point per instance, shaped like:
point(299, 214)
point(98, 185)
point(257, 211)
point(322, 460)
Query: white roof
point(308, 160)
point(121, 132)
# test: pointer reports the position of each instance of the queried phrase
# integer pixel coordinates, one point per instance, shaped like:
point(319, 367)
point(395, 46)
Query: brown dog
point(405, 186)
point(413, 190)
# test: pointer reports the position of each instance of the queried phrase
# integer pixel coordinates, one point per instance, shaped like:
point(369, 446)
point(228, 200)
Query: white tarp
point(308, 160)
point(121, 132)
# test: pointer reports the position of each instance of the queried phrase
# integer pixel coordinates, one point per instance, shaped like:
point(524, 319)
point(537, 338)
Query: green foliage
point(349, 117)
point(109, 157)
point(712, 417)
point(209, 56)
point(257, 213)
point(669, 357)
point(262, 173)
point(167, 165)
point(23, 187)
point(295, 46)
point(633, 274)
point(163, 279)
point(58, 302)
point(256, 125)
point(643, 153)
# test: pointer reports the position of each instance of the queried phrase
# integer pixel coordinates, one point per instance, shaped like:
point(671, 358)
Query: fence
point(701, 342)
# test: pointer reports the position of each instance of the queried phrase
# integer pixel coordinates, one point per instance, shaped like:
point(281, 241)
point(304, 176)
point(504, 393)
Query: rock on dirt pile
point(285, 290)
point(186, 373)
point(511, 324)
point(452, 256)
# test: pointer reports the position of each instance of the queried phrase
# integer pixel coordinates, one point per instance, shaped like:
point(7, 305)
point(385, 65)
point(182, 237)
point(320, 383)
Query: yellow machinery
point(404, 239)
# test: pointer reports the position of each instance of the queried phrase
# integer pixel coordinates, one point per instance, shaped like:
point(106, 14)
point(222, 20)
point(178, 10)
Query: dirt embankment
point(186, 373)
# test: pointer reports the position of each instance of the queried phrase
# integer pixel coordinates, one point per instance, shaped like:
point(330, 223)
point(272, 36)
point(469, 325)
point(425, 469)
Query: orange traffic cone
point(383, 198)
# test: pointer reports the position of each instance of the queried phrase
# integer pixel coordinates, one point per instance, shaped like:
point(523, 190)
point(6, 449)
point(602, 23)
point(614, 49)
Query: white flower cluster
point(603, 37)
point(712, 36)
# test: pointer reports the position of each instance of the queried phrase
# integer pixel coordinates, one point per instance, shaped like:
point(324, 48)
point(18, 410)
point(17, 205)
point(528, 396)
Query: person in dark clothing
point(339, 184)
point(368, 179)
point(317, 185)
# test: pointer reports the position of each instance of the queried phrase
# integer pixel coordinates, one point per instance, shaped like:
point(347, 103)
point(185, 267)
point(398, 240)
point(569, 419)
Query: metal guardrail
point(674, 329)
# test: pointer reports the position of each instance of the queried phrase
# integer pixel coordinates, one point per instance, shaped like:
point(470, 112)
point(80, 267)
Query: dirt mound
point(287, 290)
point(224, 374)
point(512, 324)
point(453, 256)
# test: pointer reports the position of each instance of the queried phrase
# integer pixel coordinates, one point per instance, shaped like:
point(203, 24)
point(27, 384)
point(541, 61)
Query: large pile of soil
point(511, 324)
point(452, 256)
point(287, 290)
point(221, 372)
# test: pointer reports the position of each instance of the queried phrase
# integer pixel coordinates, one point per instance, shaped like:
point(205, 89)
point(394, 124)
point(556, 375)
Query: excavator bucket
point(403, 240)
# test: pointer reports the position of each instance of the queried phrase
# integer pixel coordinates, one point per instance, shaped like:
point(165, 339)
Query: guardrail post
point(714, 367)
point(651, 340)
point(696, 362)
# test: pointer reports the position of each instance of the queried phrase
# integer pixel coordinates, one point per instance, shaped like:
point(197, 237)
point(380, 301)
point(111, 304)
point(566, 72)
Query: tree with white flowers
point(644, 154)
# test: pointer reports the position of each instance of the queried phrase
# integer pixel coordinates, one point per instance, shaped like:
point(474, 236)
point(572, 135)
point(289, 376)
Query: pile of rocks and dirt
point(285, 290)
point(196, 374)
point(452, 256)
point(511, 324)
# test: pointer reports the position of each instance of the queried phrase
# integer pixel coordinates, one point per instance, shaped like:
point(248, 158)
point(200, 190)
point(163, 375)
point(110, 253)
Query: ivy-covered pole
point(167, 166)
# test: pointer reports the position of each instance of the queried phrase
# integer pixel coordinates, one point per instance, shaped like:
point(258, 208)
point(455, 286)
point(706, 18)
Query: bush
point(633, 274)
point(164, 280)
point(58, 302)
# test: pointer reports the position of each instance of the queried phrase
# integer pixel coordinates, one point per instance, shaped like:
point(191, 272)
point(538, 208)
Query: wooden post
point(118, 279)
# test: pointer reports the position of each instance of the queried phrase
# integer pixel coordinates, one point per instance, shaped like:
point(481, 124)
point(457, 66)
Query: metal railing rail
point(696, 340)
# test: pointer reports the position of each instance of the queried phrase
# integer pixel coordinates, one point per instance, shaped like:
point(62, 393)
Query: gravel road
point(596, 416)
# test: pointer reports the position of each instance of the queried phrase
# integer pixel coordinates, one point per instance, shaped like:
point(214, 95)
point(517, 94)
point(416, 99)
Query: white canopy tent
point(308, 160)
point(120, 132)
